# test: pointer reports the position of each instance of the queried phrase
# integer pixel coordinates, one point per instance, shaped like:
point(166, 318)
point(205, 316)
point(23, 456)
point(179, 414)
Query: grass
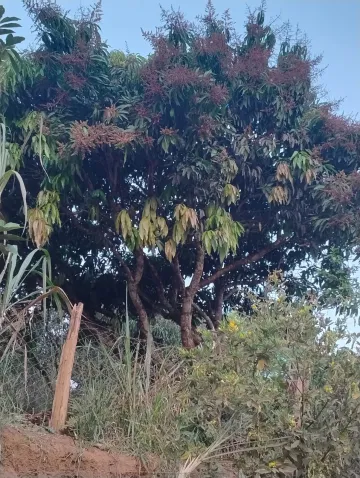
point(127, 404)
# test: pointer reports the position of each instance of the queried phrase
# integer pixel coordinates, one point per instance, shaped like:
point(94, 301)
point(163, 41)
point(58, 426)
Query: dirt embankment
point(36, 453)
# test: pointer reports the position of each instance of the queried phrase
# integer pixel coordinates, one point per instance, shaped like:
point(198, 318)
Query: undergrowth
point(272, 394)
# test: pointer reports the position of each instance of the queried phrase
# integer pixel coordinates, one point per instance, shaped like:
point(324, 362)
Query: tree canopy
point(190, 174)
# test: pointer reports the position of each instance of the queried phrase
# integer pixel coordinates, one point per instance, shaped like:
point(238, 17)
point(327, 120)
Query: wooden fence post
point(62, 388)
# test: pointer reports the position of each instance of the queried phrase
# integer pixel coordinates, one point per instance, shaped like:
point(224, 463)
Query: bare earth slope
point(34, 452)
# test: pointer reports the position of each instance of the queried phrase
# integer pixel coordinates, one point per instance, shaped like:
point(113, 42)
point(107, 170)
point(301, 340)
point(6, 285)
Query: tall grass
point(126, 399)
point(128, 404)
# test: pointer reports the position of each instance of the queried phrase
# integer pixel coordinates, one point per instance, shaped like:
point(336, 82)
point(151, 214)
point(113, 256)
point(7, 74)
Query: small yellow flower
point(254, 307)
point(292, 422)
point(233, 326)
point(272, 464)
point(328, 389)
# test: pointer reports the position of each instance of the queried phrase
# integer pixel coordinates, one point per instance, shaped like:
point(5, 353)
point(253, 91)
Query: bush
point(272, 393)
point(291, 393)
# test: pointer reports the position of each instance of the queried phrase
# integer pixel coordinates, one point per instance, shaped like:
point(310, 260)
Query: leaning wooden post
point(62, 388)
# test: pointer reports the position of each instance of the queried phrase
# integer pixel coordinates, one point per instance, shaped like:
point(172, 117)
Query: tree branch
point(204, 315)
point(241, 262)
point(176, 267)
point(139, 269)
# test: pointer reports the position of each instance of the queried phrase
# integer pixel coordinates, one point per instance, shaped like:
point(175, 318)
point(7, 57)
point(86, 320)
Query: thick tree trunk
point(218, 303)
point(144, 323)
point(187, 335)
point(187, 338)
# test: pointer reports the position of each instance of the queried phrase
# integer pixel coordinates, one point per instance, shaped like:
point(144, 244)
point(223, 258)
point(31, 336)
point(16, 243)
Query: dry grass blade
point(192, 464)
point(20, 323)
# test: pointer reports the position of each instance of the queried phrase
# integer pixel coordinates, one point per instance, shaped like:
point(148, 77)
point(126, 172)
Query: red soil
point(35, 453)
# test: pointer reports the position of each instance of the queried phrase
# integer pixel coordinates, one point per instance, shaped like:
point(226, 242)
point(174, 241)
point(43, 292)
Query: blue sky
point(332, 27)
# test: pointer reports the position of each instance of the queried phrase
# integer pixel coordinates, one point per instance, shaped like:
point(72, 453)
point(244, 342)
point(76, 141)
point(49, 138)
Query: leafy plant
point(15, 302)
point(6, 174)
point(8, 41)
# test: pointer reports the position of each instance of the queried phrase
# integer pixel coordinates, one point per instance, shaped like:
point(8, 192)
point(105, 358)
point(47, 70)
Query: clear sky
point(332, 26)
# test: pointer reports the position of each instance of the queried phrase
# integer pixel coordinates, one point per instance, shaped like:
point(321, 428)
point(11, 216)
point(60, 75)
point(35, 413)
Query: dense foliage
point(183, 180)
point(189, 174)
point(261, 398)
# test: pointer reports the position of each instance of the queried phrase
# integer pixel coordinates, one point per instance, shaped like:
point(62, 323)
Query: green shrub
point(272, 393)
point(291, 394)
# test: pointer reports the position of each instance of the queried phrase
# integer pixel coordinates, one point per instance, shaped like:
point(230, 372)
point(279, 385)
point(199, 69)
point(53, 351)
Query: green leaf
point(8, 19)
point(10, 25)
point(5, 31)
point(11, 237)
point(3, 182)
point(8, 226)
point(13, 40)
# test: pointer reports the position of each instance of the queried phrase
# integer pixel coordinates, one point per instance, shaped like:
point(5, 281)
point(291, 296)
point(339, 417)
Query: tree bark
point(133, 287)
point(187, 338)
point(204, 315)
point(144, 324)
point(187, 335)
point(218, 303)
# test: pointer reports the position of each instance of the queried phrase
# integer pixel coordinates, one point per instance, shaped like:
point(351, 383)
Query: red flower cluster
point(155, 118)
point(87, 137)
point(337, 123)
point(164, 51)
point(79, 57)
point(215, 44)
point(291, 70)
point(219, 94)
point(182, 76)
point(153, 87)
point(207, 126)
point(343, 131)
point(142, 111)
point(344, 220)
point(253, 64)
point(168, 132)
point(147, 141)
point(343, 187)
point(75, 82)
